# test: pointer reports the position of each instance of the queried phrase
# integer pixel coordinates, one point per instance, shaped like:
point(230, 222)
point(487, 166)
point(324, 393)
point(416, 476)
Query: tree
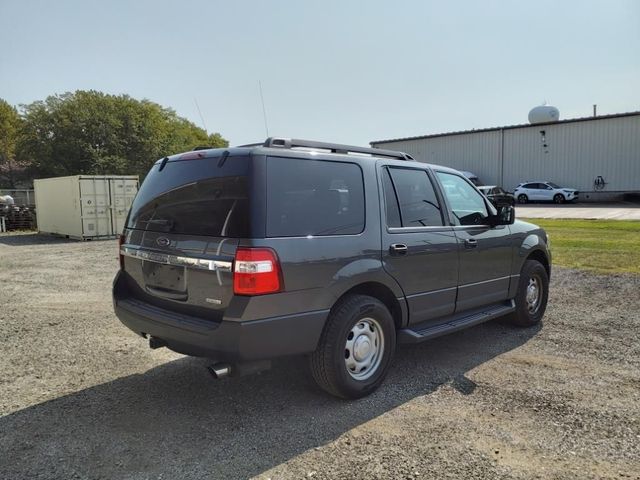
point(89, 132)
point(12, 170)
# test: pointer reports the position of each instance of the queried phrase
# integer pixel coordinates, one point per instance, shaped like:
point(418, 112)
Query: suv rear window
point(194, 197)
point(313, 197)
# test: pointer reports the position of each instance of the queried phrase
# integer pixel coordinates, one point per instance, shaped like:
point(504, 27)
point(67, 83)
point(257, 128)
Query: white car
point(544, 192)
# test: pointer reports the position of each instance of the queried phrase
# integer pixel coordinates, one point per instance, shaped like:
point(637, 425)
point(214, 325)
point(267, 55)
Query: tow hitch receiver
point(155, 342)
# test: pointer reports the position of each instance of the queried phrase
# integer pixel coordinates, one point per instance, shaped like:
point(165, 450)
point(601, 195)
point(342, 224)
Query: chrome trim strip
point(176, 260)
point(485, 281)
point(442, 290)
point(432, 292)
point(471, 227)
point(430, 228)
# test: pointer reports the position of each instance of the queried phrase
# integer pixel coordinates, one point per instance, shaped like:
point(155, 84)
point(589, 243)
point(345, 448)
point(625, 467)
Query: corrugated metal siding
point(475, 152)
point(575, 155)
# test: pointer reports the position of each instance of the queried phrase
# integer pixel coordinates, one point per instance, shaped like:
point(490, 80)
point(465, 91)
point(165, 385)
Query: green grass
point(602, 246)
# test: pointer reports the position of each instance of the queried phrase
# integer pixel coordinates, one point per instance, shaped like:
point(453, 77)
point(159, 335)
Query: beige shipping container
point(84, 207)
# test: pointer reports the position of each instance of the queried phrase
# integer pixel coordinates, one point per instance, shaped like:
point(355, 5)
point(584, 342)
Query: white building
point(599, 156)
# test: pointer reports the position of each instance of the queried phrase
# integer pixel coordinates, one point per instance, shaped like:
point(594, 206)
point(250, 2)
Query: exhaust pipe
point(219, 370)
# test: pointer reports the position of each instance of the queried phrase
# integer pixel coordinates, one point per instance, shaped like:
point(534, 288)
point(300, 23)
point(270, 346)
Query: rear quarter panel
point(317, 270)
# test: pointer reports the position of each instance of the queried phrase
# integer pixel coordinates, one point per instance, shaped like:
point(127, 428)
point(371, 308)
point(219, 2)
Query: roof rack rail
point(202, 147)
point(278, 142)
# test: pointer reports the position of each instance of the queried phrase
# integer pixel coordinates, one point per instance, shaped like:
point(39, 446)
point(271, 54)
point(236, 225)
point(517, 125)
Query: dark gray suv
point(294, 247)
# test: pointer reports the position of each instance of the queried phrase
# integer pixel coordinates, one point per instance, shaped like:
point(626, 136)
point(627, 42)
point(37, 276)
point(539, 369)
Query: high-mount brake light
point(192, 155)
point(256, 271)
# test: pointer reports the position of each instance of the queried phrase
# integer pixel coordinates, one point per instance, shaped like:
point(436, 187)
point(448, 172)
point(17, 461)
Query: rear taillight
point(256, 271)
point(120, 256)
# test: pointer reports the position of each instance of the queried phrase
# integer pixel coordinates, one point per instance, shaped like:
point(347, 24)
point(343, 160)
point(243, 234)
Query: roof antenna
point(201, 117)
point(264, 110)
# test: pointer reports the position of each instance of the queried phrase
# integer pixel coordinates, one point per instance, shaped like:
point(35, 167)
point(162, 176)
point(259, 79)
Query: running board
point(419, 333)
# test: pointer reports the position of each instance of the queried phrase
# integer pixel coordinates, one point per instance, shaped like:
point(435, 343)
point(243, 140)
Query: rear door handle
point(470, 243)
point(398, 248)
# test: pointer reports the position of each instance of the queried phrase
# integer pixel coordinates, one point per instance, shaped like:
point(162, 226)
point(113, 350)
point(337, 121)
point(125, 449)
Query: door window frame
point(444, 210)
point(455, 223)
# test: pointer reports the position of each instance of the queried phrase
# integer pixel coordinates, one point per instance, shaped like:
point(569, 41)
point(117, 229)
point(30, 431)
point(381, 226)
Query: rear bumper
point(230, 341)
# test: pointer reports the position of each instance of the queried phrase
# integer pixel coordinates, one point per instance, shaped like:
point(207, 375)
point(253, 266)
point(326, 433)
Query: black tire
point(522, 198)
point(525, 315)
point(328, 364)
point(558, 198)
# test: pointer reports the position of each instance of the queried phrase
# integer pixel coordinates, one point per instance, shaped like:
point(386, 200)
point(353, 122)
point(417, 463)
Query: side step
point(420, 333)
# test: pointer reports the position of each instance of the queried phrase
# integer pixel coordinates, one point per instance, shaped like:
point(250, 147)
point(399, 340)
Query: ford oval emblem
point(163, 241)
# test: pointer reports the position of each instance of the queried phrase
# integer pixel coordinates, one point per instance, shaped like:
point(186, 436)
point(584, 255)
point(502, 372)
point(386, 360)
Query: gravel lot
point(83, 397)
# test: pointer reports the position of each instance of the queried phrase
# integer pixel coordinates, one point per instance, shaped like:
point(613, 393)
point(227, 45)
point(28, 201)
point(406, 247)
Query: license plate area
point(164, 277)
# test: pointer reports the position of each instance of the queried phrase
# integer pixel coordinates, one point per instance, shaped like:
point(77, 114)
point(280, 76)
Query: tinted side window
point(466, 202)
point(529, 185)
point(313, 197)
point(419, 205)
point(390, 201)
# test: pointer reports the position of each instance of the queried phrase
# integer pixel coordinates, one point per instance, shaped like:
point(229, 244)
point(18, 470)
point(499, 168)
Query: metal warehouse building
point(599, 156)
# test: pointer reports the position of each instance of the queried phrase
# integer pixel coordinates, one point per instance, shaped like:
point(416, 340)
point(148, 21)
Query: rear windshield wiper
point(168, 224)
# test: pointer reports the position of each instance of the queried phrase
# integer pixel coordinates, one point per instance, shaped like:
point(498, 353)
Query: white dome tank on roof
point(544, 114)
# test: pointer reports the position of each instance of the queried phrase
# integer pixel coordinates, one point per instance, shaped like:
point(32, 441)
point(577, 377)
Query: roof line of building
point(507, 127)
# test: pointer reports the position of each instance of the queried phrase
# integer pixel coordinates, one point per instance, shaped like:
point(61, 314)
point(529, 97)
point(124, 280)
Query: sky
point(331, 70)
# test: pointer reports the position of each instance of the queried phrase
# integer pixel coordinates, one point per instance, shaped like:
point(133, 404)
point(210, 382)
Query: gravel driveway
point(83, 397)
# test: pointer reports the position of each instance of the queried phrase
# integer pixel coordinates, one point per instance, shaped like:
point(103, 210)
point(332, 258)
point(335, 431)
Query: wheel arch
point(534, 245)
point(381, 292)
point(541, 257)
